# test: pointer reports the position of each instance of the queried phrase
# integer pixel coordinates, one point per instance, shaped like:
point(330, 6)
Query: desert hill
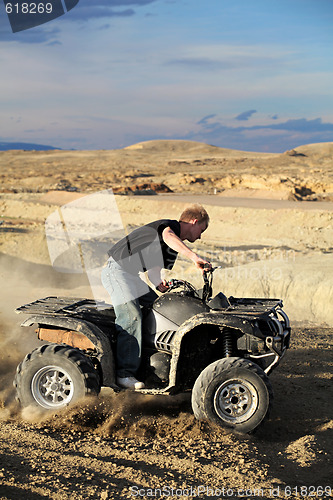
point(189, 148)
point(305, 173)
point(175, 147)
point(323, 150)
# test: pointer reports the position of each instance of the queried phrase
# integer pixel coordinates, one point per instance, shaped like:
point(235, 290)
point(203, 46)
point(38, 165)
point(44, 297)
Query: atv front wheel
point(54, 376)
point(234, 393)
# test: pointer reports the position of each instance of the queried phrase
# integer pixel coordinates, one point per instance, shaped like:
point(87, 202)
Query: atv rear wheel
point(234, 393)
point(54, 376)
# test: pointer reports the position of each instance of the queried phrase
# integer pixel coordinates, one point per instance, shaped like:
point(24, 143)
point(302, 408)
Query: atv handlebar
point(175, 283)
point(207, 278)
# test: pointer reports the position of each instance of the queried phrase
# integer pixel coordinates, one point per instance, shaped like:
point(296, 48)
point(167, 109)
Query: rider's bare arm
point(174, 242)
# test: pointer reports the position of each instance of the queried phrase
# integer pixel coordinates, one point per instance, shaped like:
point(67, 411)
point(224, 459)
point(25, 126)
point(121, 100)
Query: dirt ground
point(133, 446)
point(127, 446)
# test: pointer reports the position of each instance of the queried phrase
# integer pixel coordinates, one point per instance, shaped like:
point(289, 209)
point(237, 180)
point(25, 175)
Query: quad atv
point(222, 349)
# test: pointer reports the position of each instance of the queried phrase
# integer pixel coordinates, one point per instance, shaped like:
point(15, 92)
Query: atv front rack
point(256, 305)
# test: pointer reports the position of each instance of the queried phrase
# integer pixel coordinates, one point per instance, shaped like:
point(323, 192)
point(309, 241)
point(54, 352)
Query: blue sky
point(250, 75)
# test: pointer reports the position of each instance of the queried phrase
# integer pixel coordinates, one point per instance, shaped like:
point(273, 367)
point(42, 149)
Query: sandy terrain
point(267, 243)
point(303, 173)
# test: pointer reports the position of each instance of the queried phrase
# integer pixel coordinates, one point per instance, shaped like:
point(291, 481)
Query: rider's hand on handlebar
point(202, 264)
point(163, 287)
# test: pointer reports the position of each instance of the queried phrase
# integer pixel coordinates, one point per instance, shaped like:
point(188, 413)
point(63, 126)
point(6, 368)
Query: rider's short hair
point(192, 212)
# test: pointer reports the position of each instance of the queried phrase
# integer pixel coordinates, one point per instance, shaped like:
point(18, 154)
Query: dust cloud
point(23, 282)
point(127, 415)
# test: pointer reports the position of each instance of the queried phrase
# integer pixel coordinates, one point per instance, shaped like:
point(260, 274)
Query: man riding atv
point(219, 348)
point(148, 248)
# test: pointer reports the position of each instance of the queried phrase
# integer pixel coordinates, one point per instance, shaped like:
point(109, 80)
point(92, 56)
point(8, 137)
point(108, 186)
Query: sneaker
point(130, 383)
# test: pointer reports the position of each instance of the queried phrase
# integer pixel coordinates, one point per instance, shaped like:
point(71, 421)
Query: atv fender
point(99, 339)
point(210, 318)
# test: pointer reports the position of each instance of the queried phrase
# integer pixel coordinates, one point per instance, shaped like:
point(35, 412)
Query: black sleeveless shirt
point(144, 248)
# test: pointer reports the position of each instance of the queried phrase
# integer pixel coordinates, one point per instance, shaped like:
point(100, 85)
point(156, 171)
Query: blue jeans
point(128, 293)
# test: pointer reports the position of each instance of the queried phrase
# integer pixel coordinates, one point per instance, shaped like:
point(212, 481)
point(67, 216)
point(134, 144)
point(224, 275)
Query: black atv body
point(221, 349)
